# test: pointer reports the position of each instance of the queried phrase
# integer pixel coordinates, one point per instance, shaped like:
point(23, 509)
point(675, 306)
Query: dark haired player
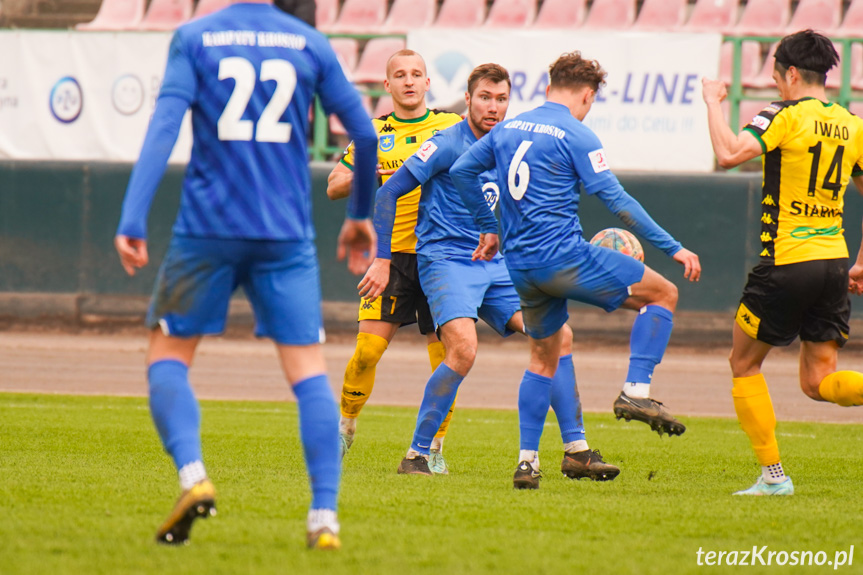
point(461, 290)
point(542, 156)
point(811, 148)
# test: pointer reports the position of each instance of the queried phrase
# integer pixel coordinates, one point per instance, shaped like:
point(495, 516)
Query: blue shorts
point(598, 276)
point(459, 287)
point(280, 278)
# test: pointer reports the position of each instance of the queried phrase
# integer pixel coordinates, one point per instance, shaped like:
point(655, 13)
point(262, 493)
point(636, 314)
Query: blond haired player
point(400, 134)
point(811, 148)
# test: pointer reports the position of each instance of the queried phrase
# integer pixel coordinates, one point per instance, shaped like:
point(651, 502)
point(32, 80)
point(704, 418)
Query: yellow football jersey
point(397, 141)
point(811, 150)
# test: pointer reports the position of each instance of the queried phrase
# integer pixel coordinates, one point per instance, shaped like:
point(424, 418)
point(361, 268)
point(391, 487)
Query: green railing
point(737, 94)
point(321, 149)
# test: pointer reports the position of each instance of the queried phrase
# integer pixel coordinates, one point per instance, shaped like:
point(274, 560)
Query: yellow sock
point(437, 352)
point(757, 418)
point(360, 373)
point(843, 388)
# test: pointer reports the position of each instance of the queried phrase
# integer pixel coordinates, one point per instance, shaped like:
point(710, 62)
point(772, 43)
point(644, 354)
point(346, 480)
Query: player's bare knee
point(460, 358)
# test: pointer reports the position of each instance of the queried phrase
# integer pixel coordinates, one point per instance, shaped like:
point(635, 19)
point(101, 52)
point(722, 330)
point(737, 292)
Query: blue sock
point(565, 401)
point(650, 334)
point(534, 397)
point(439, 395)
point(175, 411)
point(319, 432)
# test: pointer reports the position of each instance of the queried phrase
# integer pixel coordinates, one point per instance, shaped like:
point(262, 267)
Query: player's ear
point(467, 100)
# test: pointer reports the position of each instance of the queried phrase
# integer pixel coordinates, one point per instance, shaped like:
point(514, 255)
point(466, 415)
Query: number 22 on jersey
point(231, 126)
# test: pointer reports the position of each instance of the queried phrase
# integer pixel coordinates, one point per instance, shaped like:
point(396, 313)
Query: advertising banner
point(80, 95)
point(650, 115)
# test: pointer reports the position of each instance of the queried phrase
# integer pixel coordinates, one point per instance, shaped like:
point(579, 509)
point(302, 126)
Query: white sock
point(437, 444)
point(531, 457)
point(191, 473)
point(347, 425)
point(576, 446)
point(412, 453)
point(636, 390)
point(773, 473)
point(320, 518)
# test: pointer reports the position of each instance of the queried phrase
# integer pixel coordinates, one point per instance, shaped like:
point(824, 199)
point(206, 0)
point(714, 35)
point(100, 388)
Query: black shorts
point(403, 301)
point(806, 299)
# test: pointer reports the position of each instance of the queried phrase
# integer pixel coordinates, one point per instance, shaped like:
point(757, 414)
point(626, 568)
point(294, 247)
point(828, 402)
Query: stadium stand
point(750, 60)
point(712, 16)
point(561, 14)
point(857, 66)
point(661, 15)
point(361, 17)
point(611, 15)
point(764, 77)
point(511, 13)
point(166, 14)
point(852, 22)
point(205, 7)
point(117, 15)
point(326, 14)
point(461, 14)
point(409, 15)
point(383, 106)
point(348, 51)
point(764, 18)
point(370, 68)
point(821, 15)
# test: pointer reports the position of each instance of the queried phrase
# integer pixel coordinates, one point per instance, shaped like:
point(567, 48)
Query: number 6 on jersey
point(519, 169)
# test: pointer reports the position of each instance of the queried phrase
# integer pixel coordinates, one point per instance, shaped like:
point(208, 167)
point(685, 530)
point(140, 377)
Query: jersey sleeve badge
point(425, 152)
point(598, 160)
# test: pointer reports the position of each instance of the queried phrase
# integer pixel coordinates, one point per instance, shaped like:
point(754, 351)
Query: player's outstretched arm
point(402, 182)
point(731, 149)
point(356, 243)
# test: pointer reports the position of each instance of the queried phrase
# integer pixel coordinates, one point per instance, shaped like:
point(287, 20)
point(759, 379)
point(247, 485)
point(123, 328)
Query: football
point(620, 240)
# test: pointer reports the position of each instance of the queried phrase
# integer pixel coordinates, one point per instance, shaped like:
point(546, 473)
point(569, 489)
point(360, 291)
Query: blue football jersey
point(541, 157)
point(445, 227)
point(249, 73)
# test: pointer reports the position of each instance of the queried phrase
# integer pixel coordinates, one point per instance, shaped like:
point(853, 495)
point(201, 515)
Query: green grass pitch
point(84, 483)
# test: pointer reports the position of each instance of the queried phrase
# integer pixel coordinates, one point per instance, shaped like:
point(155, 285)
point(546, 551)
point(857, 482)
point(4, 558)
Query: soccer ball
point(619, 240)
